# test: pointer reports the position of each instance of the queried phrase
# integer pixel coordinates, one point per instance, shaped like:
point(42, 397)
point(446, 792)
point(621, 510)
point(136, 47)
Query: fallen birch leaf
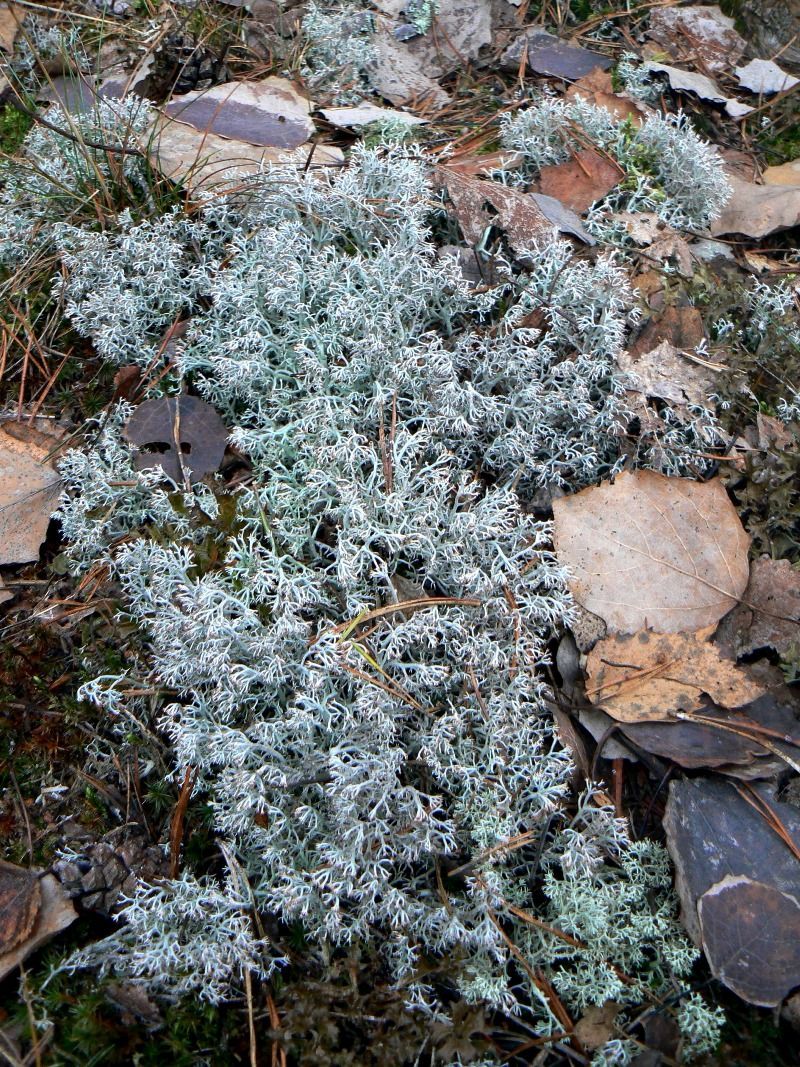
point(763, 77)
point(20, 900)
point(10, 21)
point(54, 914)
point(647, 677)
point(582, 180)
point(757, 210)
point(751, 938)
point(597, 88)
point(680, 325)
point(648, 551)
point(524, 217)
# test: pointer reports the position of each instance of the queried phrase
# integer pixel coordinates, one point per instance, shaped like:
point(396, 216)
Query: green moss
point(14, 125)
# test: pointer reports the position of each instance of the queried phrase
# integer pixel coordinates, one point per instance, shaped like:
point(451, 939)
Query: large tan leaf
point(647, 677)
point(648, 551)
point(29, 491)
point(758, 210)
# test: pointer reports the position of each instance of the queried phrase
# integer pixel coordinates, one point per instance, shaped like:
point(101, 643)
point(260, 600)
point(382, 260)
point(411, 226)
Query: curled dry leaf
point(649, 551)
point(751, 938)
point(647, 677)
point(763, 77)
point(184, 435)
point(689, 81)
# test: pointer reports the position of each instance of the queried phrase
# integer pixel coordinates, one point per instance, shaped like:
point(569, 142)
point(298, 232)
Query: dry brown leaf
point(183, 435)
point(516, 212)
point(20, 900)
point(682, 327)
point(667, 374)
point(769, 616)
point(10, 20)
point(647, 677)
point(578, 183)
point(650, 551)
point(597, 88)
point(758, 210)
point(29, 491)
point(596, 1026)
point(524, 217)
point(55, 914)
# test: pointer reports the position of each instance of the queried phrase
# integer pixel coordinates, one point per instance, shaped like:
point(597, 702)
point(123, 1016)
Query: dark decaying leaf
point(714, 743)
point(179, 434)
point(20, 900)
point(551, 56)
point(751, 938)
point(713, 831)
